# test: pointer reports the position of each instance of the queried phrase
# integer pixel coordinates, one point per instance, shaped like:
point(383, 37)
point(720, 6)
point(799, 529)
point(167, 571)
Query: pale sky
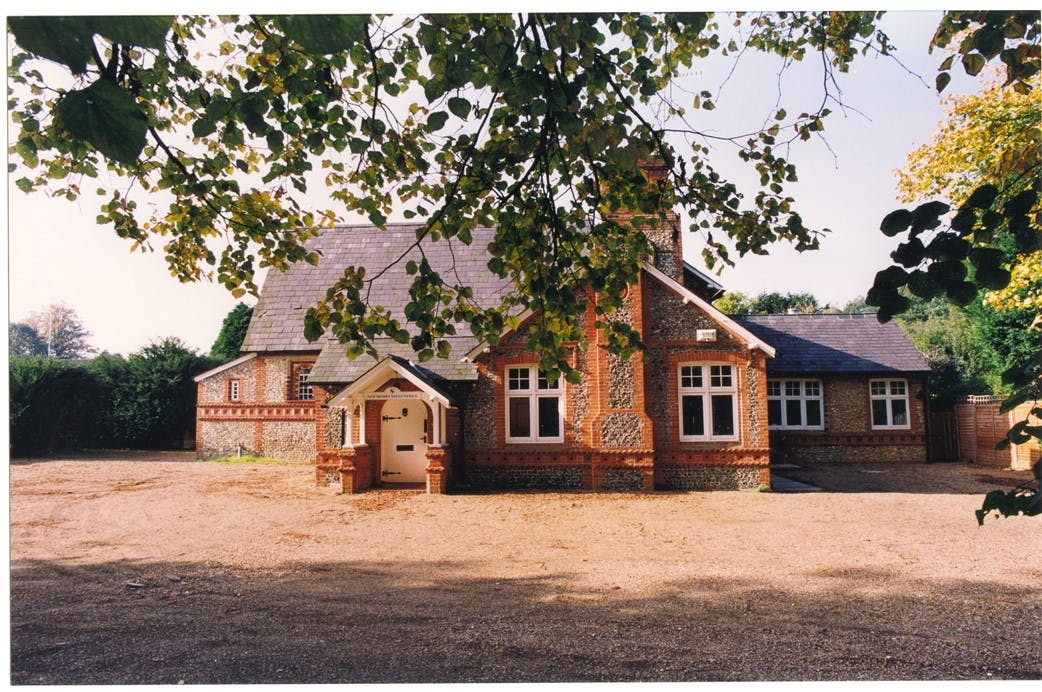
point(58, 253)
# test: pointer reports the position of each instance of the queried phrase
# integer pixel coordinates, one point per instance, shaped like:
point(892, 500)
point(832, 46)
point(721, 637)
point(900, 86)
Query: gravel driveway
point(159, 569)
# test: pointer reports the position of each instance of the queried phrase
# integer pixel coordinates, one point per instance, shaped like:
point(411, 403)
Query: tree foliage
point(962, 360)
point(233, 331)
point(22, 340)
point(61, 331)
point(145, 401)
point(528, 123)
point(986, 162)
point(52, 403)
point(150, 396)
point(768, 303)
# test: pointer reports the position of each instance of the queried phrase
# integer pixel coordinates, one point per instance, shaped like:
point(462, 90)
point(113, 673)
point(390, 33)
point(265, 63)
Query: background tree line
point(62, 400)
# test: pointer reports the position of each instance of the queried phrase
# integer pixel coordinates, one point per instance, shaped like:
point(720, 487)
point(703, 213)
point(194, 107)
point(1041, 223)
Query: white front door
point(403, 441)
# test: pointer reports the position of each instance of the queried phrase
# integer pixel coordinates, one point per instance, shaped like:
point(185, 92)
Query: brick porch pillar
point(355, 469)
point(439, 462)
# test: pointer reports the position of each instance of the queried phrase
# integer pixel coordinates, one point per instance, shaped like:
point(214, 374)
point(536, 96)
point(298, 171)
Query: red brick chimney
point(664, 231)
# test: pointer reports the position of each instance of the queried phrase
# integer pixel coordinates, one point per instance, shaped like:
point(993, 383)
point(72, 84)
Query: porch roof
point(391, 366)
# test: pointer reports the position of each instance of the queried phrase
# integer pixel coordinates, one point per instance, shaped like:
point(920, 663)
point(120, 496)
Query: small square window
point(518, 380)
point(812, 388)
point(879, 388)
point(303, 391)
point(792, 387)
point(773, 388)
point(720, 375)
point(234, 392)
point(690, 376)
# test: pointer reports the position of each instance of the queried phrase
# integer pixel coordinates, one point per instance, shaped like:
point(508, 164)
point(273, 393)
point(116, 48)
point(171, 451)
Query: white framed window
point(302, 384)
point(234, 390)
point(794, 405)
point(889, 399)
point(533, 406)
point(708, 395)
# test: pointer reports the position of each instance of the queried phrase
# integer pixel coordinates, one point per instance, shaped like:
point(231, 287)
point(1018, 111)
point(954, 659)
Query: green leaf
point(943, 78)
point(946, 247)
point(460, 107)
point(961, 293)
point(947, 273)
point(990, 41)
point(920, 283)
point(312, 329)
point(436, 121)
point(24, 184)
point(964, 221)
point(909, 254)
point(1021, 204)
point(891, 278)
point(324, 34)
point(986, 257)
point(203, 127)
point(106, 116)
point(143, 31)
point(66, 40)
point(927, 216)
point(896, 222)
point(973, 63)
point(982, 197)
point(992, 277)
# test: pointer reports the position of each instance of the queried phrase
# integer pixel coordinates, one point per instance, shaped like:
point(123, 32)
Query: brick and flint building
point(706, 405)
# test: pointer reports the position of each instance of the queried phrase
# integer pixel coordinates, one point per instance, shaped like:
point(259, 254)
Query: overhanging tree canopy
point(530, 123)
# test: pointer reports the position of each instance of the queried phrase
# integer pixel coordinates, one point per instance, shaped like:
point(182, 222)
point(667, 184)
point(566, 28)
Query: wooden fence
point(970, 432)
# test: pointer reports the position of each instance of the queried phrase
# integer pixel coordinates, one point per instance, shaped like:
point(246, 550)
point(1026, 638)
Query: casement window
point(301, 383)
point(234, 390)
point(794, 405)
point(533, 406)
point(889, 404)
point(708, 402)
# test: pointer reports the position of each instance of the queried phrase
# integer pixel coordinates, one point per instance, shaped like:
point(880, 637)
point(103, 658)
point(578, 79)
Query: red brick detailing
point(439, 463)
point(319, 404)
point(600, 376)
point(198, 420)
point(353, 463)
point(299, 411)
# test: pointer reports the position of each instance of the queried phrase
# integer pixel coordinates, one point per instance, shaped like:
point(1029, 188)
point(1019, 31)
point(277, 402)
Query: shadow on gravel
point(111, 455)
point(947, 479)
point(356, 622)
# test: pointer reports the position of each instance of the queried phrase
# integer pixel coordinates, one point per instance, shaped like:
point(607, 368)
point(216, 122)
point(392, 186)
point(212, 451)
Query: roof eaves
point(221, 368)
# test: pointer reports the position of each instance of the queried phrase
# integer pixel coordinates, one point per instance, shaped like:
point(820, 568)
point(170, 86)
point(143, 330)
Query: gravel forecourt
point(153, 568)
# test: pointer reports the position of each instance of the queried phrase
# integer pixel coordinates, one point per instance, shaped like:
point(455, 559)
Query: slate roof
point(834, 344)
point(702, 283)
point(278, 318)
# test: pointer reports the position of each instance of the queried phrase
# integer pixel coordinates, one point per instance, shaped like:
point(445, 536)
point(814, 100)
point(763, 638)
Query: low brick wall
point(625, 479)
point(707, 477)
point(526, 477)
point(868, 454)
